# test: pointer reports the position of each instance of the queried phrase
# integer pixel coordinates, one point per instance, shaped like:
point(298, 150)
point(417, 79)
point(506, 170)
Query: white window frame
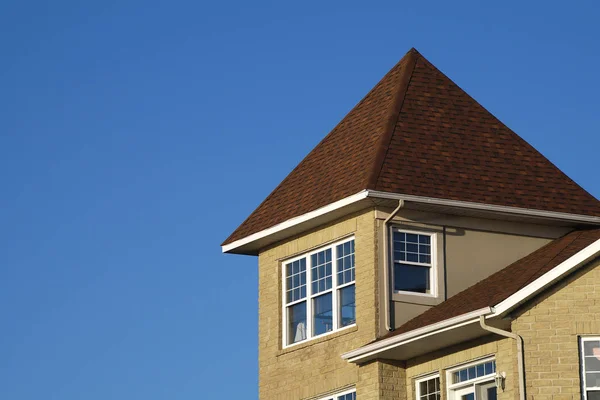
point(453, 388)
point(433, 292)
point(424, 379)
point(584, 388)
point(335, 288)
point(335, 396)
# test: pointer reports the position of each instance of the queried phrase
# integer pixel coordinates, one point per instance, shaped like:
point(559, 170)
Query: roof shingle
point(417, 133)
point(504, 283)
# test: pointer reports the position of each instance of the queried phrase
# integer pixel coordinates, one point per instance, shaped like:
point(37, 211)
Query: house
point(423, 250)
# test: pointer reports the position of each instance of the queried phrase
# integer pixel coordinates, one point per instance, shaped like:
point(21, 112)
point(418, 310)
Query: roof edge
point(363, 194)
point(420, 333)
point(587, 219)
point(580, 258)
point(392, 118)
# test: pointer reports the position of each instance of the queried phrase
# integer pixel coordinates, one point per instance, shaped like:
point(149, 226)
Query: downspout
point(387, 268)
point(519, 340)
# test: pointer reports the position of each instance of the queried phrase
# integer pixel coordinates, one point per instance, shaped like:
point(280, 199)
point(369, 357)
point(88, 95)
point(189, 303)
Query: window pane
point(321, 270)
point(592, 379)
point(488, 368)
point(592, 364)
point(412, 247)
point(591, 348)
point(295, 280)
point(593, 395)
point(347, 306)
point(296, 325)
point(345, 262)
point(423, 388)
point(322, 314)
point(480, 370)
point(471, 373)
point(491, 393)
point(411, 278)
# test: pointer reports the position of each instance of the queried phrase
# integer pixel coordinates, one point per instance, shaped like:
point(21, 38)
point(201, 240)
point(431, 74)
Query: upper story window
point(413, 261)
point(319, 292)
point(590, 367)
point(473, 381)
point(428, 388)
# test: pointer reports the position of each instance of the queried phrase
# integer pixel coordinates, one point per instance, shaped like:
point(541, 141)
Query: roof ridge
point(412, 52)
point(396, 107)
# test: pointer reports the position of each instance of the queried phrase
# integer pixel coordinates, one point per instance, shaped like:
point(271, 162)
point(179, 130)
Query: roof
point(498, 287)
point(417, 133)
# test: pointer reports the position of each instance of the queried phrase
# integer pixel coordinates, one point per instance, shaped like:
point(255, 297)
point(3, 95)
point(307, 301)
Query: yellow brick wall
point(550, 326)
point(315, 367)
point(503, 350)
point(382, 380)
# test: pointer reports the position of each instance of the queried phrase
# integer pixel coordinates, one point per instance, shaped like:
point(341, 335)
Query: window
point(474, 381)
point(590, 367)
point(347, 395)
point(413, 261)
point(428, 388)
point(319, 292)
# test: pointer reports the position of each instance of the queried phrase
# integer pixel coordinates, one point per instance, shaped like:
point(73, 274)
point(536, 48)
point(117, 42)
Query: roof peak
point(418, 133)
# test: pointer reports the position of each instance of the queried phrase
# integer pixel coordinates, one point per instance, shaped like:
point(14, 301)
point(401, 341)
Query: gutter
point(411, 336)
point(519, 341)
point(487, 207)
point(388, 268)
point(363, 194)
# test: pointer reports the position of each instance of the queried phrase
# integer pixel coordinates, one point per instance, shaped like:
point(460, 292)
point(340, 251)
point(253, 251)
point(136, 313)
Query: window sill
point(319, 339)
point(416, 298)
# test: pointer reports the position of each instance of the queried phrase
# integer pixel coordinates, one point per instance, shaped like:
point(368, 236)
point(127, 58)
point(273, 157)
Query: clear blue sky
point(136, 135)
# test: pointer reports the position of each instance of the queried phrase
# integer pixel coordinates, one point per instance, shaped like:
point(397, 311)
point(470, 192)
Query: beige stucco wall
point(550, 326)
point(315, 368)
point(474, 249)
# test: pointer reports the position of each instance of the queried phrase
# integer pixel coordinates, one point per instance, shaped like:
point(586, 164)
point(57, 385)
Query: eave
point(250, 245)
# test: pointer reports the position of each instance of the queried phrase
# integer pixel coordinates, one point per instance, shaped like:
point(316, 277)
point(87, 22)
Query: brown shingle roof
point(417, 133)
point(499, 286)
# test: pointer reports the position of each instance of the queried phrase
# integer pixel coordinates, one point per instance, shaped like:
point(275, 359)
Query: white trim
point(487, 207)
point(335, 395)
point(460, 367)
point(433, 264)
point(584, 388)
point(424, 378)
point(296, 220)
point(310, 296)
point(470, 385)
point(363, 194)
point(399, 340)
point(549, 277)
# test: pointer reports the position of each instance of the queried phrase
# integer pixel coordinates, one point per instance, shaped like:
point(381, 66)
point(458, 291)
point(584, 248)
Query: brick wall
point(504, 351)
point(550, 326)
point(315, 367)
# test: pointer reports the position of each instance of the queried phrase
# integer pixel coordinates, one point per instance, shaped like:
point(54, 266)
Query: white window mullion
point(309, 302)
point(327, 280)
point(334, 296)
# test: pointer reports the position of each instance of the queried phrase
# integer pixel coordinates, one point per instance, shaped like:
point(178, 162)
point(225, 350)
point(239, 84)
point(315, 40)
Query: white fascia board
point(297, 220)
point(573, 262)
point(417, 334)
point(363, 194)
point(487, 207)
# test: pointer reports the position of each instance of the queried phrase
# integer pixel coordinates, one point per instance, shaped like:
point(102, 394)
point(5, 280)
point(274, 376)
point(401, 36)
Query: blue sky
point(135, 136)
